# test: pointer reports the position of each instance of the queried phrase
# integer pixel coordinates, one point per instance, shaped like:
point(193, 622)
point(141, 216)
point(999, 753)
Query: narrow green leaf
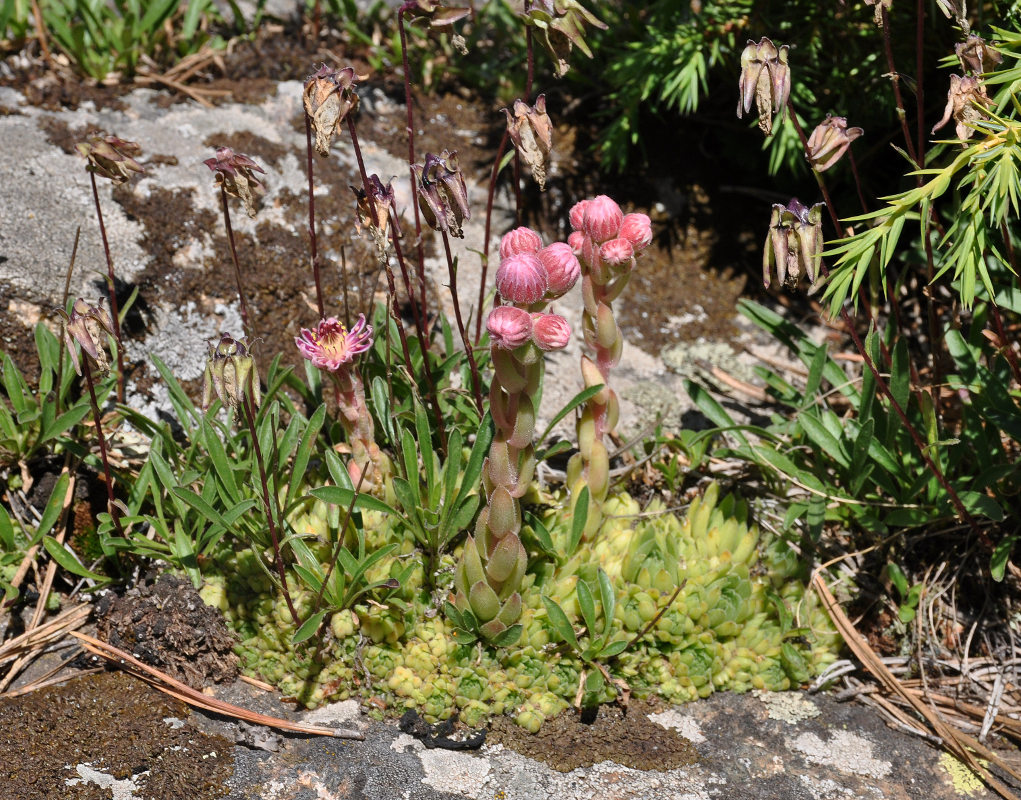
point(59, 554)
point(561, 624)
point(309, 627)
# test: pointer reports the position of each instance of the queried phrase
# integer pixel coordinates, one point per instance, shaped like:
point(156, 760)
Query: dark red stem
point(111, 288)
point(237, 267)
point(312, 220)
point(277, 556)
point(108, 474)
point(452, 272)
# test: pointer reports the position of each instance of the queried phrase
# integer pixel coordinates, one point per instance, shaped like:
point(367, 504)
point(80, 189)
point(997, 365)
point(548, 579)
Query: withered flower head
point(965, 102)
point(794, 244)
point(442, 194)
point(766, 80)
point(110, 157)
point(230, 374)
point(560, 25)
point(880, 7)
point(329, 97)
point(438, 14)
point(829, 141)
point(532, 133)
point(976, 56)
point(235, 174)
point(86, 325)
point(374, 211)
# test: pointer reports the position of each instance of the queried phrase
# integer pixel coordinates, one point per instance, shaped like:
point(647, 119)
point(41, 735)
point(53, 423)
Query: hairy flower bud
point(637, 229)
point(577, 214)
point(521, 279)
point(531, 132)
point(550, 331)
point(562, 268)
point(509, 327)
point(576, 240)
point(829, 141)
point(617, 252)
point(111, 157)
point(602, 218)
point(235, 174)
point(329, 96)
point(520, 240)
point(765, 79)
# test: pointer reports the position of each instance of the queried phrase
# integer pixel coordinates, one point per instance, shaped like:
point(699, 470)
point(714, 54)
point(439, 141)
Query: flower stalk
point(488, 576)
point(607, 243)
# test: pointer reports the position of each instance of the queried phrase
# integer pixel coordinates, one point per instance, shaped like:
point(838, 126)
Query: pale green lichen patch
point(789, 707)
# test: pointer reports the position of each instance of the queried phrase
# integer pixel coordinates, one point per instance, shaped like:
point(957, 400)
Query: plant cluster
point(388, 538)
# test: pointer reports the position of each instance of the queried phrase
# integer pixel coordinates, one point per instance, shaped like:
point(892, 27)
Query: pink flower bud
point(637, 229)
point(550, 331)
point(576, 239)
point(522, 279)
point(520, 240)
point(577, 214)
point(562, 267)
point(617, 252)
point(509, 326)
point(601, 219)
point(589, 252)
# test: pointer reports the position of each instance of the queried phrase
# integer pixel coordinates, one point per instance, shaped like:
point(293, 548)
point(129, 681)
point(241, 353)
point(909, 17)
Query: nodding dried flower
point(560, 25)
point(766, 80)
point(442, 194)
point(374, 212)
point(976, 56)
point(329, 97)
point(438, 14)
point(331, 346)
point(532, 133)
point(965, 101)
point(794, 244)
point(880, 7)
point(235, 174)
point(829, 141)
point(86, 325)
point(231, 374)
point(111, 157)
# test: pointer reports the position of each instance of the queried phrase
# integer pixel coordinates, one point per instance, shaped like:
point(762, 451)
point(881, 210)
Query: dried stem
point(411, 150)
point(63, 305)
point(111, 287)
point(97, 417)
point(895, 80)
point(312, 219)
point(277, 556)
point(234, 259)
point(452, 272)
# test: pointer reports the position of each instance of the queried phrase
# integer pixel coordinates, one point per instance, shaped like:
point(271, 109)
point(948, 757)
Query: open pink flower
point(331, 345)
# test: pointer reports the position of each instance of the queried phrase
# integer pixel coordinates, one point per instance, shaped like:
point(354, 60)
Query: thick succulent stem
point(357, 423)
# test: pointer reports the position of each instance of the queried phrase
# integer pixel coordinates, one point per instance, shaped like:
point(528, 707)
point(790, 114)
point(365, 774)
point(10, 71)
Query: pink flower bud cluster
point(531, 275)
point(603, 234)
